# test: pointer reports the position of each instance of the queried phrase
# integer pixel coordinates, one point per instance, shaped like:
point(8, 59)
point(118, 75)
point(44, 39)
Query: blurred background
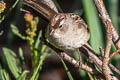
point(52, 67)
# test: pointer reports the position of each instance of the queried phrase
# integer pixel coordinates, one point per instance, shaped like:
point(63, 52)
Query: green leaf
point(21, 57)
point(11, 61)
point(4, 75)
point(38, 66)
point(21, 54)
point(36, 20)
point(37, 42)
point(96, 32)
point(23, 75)
point(68, 72)
point(43, 48)
point(16, 32)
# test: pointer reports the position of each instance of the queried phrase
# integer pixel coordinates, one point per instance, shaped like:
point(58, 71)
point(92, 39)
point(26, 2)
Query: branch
point(91, 55)
point(106, 56)
point(105, 18)
point(110, 32)
point(78, 64)
point(114, 53)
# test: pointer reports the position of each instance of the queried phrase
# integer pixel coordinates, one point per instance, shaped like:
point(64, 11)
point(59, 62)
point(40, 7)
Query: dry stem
point(114, 53)
point(110, 32)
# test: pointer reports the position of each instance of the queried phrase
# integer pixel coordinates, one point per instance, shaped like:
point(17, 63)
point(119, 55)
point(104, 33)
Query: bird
point(66, 31)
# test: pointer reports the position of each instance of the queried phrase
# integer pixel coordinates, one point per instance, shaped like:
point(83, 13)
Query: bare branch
point(114, 68)
point(102, 52)
point(106, 18)
point(114, 53)
point(91, 55)
point(78, 64)
point(107, 51)
point(109, 27)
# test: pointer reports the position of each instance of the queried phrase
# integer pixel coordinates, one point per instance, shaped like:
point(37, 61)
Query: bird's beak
point(52, 31)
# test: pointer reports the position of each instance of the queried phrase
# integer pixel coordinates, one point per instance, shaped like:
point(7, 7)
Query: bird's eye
point(62, 18)
point(60, 26)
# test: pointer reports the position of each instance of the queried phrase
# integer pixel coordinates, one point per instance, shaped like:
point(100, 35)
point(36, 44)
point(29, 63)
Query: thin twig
point(106, 56)
point(114, 53)
point(25, 11)
point(107, 52)
point(114, 68)
point(102, 52)
point(109, 42)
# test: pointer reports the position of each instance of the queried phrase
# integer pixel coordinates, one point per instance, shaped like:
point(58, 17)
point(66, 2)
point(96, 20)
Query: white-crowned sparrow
point(67, 31)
